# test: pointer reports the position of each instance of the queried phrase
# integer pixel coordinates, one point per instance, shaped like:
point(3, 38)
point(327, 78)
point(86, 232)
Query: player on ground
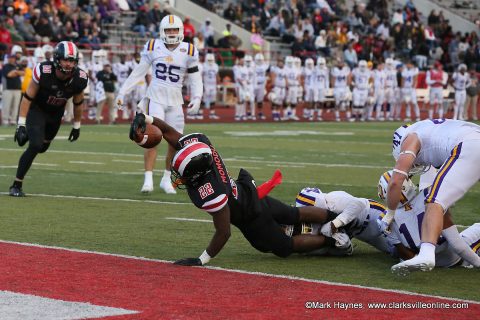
point(460, 81)
point(210, 81)
point(43, 105)
point(199, 167)
point(405, 229)
point(171, 61)
point(451, 146)
point(261, 70)
point(436, 81)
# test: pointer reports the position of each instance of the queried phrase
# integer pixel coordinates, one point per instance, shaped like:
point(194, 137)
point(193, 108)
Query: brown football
point(150, 138)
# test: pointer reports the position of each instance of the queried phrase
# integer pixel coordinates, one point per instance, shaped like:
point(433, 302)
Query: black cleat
point(16, 192)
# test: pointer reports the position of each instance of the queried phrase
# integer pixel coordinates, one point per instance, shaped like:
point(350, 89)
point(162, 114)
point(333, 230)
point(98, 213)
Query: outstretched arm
point(169, 133)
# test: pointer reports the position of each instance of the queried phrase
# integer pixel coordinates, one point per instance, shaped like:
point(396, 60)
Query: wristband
point(148, 119)
point(21, 121)
point(401, 172)
point(337, 223)
point(409, 152)
point(205, 257)
point(76, 125)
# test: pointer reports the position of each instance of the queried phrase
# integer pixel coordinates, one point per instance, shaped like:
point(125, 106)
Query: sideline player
point(43, 105)
point(405, 235)
point(451, 146)
point(261, 70)
point(210, 81)
point(436, 81)
point(200, 169)
point(460, 81)
point(171, 61)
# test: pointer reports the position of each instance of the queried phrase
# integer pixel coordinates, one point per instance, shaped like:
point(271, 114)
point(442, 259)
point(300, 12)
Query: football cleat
point(166, 185)
point(417, 263)
point(147, 188)
point(16, 192)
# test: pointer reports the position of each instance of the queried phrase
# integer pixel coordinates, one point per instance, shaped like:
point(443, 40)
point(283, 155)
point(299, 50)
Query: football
point(150, 138)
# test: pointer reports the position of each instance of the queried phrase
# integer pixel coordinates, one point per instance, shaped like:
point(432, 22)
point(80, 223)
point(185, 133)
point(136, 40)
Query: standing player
point(293, 83)
point(43, 105)
point(261, 70)
point(171, 60)
point(199, 167)
point(409, 85)
point(210, 79)
point(140, 89)
point(451, 146)
point(122, 69)
point(379, 83)
point(341, 79)
point(405, 230)
point(240, 74)
point(322, 80)
point(436, 81)
point(391, 86)
point(460, 81)
point(310, 89)
point(278, 93)
point(362, 78)
point(250, 87)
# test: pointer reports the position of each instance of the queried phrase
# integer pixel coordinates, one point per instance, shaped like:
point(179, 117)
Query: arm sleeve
point(137, 75)
point(458, 245)
point(348, 207)
point(195, 78)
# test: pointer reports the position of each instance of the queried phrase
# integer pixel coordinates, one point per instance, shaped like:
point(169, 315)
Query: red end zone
point(159, 290)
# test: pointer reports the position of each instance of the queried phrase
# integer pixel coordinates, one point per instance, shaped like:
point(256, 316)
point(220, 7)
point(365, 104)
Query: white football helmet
point(47, 48)
point(390, 63)
point(409, 190)
point(210, 58)
point(16, 49)
point(259, 59)
point(248, 60)
point(309, 63)
point(363, 65)
point(171, 22)
point(462, 67)
point(321, 62)
point(289, 60)
point(311, 197)
point(297, 62)
point(39, 55)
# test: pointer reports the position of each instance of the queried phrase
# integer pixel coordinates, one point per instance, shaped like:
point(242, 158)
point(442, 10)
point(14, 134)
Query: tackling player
point(199, 167)
point(171, 60)
point(451, 146)
point(43, 105)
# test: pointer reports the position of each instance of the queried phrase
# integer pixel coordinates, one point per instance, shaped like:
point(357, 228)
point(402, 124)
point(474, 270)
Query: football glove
point(386, 222)
point(138, 122)
point(74, 134)
point(342, 240)
point(21, 136)
point(194, 106)
point(188, 262)
point(326, 229)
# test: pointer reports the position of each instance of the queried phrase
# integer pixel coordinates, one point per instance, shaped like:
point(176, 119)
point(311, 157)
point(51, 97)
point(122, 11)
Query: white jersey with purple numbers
point(310, 88)
point(460, 81)
point(340, 76)
point(406, 231)
point(261, 75)
point(280, 77)
point(361, 223)
point(209, 74)
point(361, 78)
point(408, 76)
point(169, 70)
point(121, 70)
point(379, 83)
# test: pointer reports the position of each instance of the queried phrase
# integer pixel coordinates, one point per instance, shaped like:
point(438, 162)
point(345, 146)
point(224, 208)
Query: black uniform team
point(43, 105)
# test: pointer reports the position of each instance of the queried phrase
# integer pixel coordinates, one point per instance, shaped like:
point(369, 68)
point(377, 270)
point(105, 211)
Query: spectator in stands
point(471, 58)
point(228, 30)
point(265, 16)
point(229, 12)
point(350, 56)
point(208, 33)
point(44, 29)
point(142, 21)
point(252, 25)
point(188, 30)
point(25, 28)
point(5, 36)
point(67, 33)
point(277, 26)
point(430, 38)
point(199, 42)
point(383, 30)
point(322, 44)
point(398, 17)
point(21, 6)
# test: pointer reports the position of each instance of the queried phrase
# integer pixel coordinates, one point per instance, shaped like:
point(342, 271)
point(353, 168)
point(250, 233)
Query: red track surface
point(164, 291)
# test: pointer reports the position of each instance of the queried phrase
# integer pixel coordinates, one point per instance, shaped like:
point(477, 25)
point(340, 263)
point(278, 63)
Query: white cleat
point(415, 264)
point(166, 185)
point(147, 188)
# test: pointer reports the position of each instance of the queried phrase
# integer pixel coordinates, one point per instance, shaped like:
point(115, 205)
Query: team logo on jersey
point(234, 188)
point(168, 59)
point(83, 74)
point(46, 69)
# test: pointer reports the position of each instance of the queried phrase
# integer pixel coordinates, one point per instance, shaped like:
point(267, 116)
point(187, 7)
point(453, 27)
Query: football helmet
point(65, 50)
point(171, 22)
point(248, 60)
point(363, 65)
point(409, 190)
point(210, 58)
point(259, 59)
point(191, 162)
point(309, 63)
point(321, 62)
point(462, 67)
point(289, 60)
point(311, 197)
point(297, 62)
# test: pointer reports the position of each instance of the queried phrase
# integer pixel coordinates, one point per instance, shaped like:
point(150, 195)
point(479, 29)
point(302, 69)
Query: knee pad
point(44, 147)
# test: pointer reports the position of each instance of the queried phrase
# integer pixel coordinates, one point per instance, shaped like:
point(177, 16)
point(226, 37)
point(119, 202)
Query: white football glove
point(119, 102)
point(386, 222)
point(193, 106)
point(342, 240)
point(326, 229)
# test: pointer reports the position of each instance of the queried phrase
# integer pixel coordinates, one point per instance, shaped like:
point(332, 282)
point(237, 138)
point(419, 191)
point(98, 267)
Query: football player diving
point(43, 105)
point(199, 168)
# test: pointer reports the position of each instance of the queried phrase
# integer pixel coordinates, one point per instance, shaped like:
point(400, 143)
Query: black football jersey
point(54, 93)
point(216, 189)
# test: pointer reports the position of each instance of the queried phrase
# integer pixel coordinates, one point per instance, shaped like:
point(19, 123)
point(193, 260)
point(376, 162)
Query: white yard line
point(87, 162)
point(244, 272)
point(188, 219)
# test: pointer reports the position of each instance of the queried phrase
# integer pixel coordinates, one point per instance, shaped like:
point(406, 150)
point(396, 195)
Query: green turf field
point(97, 177)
